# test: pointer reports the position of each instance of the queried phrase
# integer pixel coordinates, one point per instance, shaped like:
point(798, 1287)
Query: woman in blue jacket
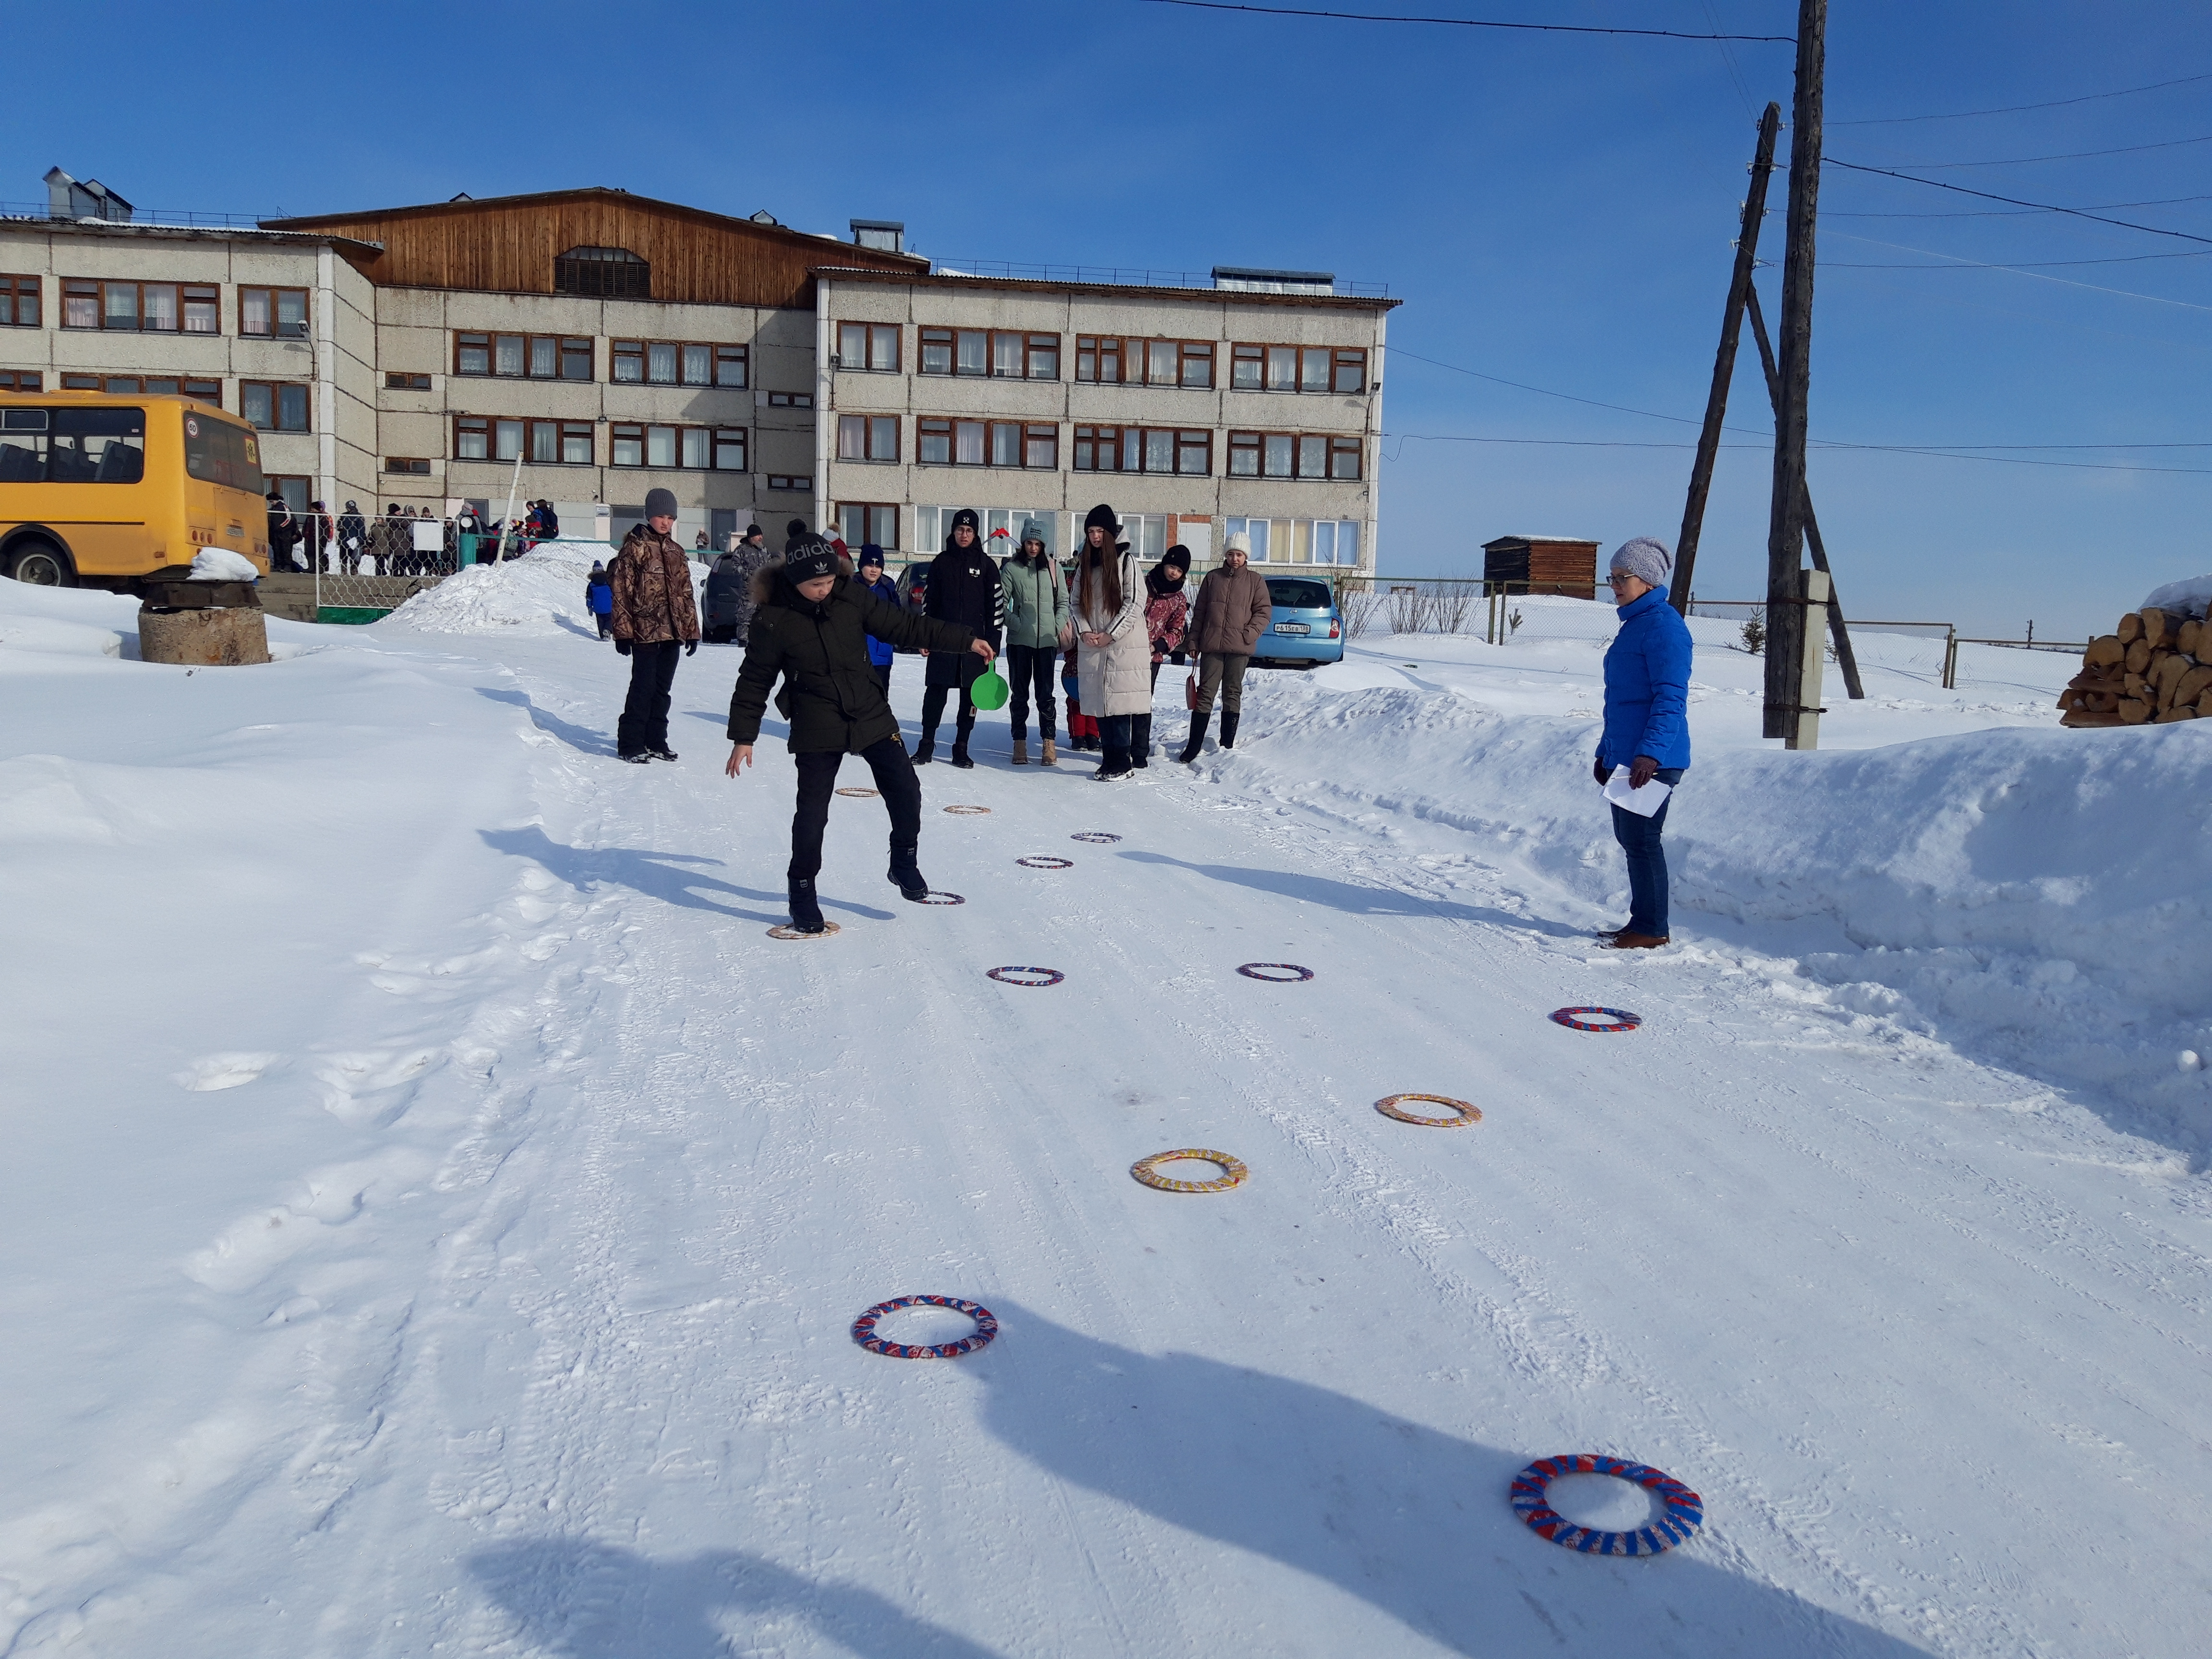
point(1647, 695)
point(872, 578)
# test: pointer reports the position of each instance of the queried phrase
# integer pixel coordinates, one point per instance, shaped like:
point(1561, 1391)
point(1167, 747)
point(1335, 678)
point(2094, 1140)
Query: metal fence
point(365, 571)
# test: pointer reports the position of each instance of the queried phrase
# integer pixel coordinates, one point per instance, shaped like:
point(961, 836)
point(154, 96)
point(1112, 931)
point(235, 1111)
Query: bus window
point(22, 445)
point(98, 446)
point(218, 453)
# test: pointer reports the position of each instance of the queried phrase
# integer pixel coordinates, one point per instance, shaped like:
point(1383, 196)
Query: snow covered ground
point(437, 1208)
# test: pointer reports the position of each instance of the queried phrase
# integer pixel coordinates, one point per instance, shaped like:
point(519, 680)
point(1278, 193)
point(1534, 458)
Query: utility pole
point(1739, 290)
point(1785, 603)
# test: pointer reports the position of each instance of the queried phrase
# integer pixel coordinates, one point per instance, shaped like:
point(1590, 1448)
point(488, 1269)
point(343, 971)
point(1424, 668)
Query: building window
point(1173, 363)
point(156, 386)
point(1300, 541)
point(974, 356)
point(275, 312)
point(629, 446)
point(677, 362)
point(730, 449)
point(471, 438)
point(861, 522)
point(968, 443)
point(1344, 457)
point(1288, 455)
point(522, 357)
point(871, 347)
point(273, 406)
point(937, 351)
point(396, 382)
point(660, 446)
point(676, 448)
point(1097, 449)
point(934, 444)
point(603, 273)
point(206, 391)
point(1041, 447)
point(1005, 443)
point(506, 440)
point(1350, 372)
point(19, 302)
point(730, 366)
point(150, 308)
point(80, 382)
point(1098, 360)
point(575, 443)
point(867, 438)
point(544, 442)
point(660, 362)
point(472, 354)
point(575, 359)
point(1041, 358)
point(21, 379)
point(791, 483)
point(1298, 368)
point(790, 400)
point(1162, 449)
point(629, 361)
point(408, 465)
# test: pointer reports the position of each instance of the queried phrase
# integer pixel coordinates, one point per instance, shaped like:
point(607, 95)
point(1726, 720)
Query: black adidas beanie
point(809, 556)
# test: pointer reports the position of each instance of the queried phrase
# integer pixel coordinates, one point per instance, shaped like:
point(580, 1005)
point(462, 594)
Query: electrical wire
point(1961, 263)
point(1975, 265)
point(1994, 213)
point(1729, 57)
point(1468, 22)
point(2015, 201)
point(2070, 155)
point(2015, 109)
point(1888, 449)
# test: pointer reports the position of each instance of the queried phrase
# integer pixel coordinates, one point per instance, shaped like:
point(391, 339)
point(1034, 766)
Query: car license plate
point(1293, 628)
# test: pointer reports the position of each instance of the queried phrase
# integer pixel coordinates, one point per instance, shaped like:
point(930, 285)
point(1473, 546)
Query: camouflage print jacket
point(652, 582)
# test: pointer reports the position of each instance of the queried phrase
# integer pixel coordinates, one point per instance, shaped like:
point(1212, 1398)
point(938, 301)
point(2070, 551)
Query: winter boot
point(1021, 751)
point(926, 751)
point(1197, 725)
point(960, 752)
point(906, 872)
point(1051, 756)
point(1229, 727)
point(661, 750)
point(1141, 740)
point(805, 913)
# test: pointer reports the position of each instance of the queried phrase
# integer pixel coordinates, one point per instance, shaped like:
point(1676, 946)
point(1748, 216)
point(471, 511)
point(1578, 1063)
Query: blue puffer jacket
point(1647, 685)
point(881, 651)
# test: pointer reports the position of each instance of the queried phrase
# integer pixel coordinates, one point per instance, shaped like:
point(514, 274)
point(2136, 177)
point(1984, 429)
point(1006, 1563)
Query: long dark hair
point(1099, 573)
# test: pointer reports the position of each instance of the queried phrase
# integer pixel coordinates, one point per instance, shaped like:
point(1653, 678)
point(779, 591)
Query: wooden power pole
point(1708, 439)
point(1785, 600)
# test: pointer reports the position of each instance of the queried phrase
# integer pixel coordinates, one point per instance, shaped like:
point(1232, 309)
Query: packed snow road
point(437, 1211)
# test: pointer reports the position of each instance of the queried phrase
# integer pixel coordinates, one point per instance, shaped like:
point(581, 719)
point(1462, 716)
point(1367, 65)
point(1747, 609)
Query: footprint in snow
point(213, 1071)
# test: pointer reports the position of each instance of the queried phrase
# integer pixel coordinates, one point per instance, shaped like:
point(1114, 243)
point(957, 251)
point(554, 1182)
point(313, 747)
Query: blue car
point(1305, 628)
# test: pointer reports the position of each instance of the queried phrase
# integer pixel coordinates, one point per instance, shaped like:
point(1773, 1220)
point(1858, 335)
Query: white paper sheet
point(1643, 802)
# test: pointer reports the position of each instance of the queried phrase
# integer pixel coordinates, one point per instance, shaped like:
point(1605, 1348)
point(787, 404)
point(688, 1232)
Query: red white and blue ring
point(987, 1326)
point(1607, 1019)
point(1682, 1511)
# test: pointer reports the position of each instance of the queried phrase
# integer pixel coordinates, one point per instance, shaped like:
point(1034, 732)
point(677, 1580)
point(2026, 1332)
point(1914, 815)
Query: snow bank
point(2182, 598)
point(540, 593)
point(2039, 895)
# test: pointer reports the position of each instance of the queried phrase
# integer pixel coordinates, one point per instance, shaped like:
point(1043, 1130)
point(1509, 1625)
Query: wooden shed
point(1547, 564)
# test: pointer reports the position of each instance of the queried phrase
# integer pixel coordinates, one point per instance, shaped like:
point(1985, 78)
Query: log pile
point(2157, 668)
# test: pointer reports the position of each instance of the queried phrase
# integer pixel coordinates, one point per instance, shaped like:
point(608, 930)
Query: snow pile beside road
point(541, 592)
point(2040, 897)
point(71, 621)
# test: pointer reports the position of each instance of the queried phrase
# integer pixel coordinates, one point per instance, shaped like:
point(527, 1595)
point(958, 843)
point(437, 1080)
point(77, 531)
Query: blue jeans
point(1647, 861)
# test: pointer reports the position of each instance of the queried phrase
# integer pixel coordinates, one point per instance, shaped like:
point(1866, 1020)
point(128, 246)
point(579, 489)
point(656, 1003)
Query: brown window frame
point(721, 437)
point(97, 288)
point(15, 290)
point(790, 400)
point(277, 389)
point(275, 331)
point(926, 428)
point(1334, 448)
point(589, 433)
point(396, 379)
point(1096, 351)
point(1037, 345)
point(870, 335)
point(1184, 356)
point(480, 424)
point(741, 356)
point(639, 352)
point(136, 385)
point(406, 467)
point(867, 510)
point(708, 440)
point(1340, 446)
point(1089, 442)
point(626, 431)
point(868, 431)
point(1036, 433)
point(943, 339)
point(1138, 444)
point(22, 379)
point(792, 484)
point(572, 347)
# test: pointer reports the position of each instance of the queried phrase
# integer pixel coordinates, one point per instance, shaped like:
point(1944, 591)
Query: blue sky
point(1553, 209)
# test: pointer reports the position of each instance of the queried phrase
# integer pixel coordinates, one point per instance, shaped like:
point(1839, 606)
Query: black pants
point(645, 715)
point(601, 618)
point(882, 671)
point(1031, 666)
point(817, 777)
point(932, 713)
point(1115, 732)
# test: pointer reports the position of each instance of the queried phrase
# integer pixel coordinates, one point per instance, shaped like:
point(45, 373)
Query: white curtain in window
point(660, 446)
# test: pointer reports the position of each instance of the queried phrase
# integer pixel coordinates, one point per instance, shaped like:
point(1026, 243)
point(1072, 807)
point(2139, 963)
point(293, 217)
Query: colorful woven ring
point(1292, 973)
point(968, 811)
point(1146, 1169)
point(857, 793)
point(1683, 1510)
point(1462, 1113)
point(1046, 864)
point(936, 897)
point(1613, 1020)
point(1047, 976)
point(987, 1326)
point(786, 931)
point(1095, 837)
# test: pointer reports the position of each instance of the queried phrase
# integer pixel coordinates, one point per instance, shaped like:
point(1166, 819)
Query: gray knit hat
point(660, 503)
point(1645, 558)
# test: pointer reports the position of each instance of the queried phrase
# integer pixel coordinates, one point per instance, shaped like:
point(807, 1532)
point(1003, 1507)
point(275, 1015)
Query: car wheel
point(41, 564)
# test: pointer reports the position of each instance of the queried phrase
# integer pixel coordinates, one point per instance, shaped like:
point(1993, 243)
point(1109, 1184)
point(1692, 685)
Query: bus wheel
point(41, 564)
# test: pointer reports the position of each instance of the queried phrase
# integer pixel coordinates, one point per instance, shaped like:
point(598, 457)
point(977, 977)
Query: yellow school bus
point(102, 489)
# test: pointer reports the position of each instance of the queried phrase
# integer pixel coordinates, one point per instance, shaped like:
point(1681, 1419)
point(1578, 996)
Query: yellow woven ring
point(830, 931)
point(1463, 1114)
point(969, 812)
point(1146, 1171)
point(857, 794)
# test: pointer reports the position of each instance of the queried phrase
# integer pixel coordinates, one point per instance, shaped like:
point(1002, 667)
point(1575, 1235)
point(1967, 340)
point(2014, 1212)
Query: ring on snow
point(936, 897)
point(1146, 1169)
point(987, 1326)
point(1290, 973)
point(858, 794)
point(784, 930)
point(1046, 864)
point(1610, 1019)
point(1683, 1510)
point(1095, 837)
point(1462, 1113)
point(1045, 976)
point(968, 811)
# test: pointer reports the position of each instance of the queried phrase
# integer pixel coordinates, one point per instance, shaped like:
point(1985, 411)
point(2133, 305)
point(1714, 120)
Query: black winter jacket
point(830, 693)
point(963, 589)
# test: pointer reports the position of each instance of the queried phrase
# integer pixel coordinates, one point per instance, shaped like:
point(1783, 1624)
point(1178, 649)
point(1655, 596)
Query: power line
point(2015, 109)
point(2070, 155)
point(1992, 213)
point(1951, 454)
point(2015, 201)
point(1466, 22)
point(1958, 264)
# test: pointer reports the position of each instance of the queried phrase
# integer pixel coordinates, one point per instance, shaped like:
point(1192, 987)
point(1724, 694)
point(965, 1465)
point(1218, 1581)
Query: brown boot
point(1021, 751)
point(1051, 756)
point(1624, 940)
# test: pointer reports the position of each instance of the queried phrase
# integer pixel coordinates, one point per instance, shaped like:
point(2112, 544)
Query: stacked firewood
point(2157, 668)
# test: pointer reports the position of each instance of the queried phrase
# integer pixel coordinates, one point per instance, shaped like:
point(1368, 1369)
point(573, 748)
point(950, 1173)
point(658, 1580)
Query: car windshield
point(1295, 595)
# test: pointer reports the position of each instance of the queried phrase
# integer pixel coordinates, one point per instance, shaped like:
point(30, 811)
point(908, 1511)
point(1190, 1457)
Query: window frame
point(401, 379)
point(790, 400)
point(477, 426)
point(277, 389)
point(870, 334)
point(941, 339)
point(869, 522)
point(638, 351)
point(791, 483)
point(406, 467)
point(16, 289)
point(1334, 446)
point(275, 331)
point(1099, 348)
point(720, 437)
point(707, 441)
point(97, 288)
point(868, 432)
point(13, 379)
point(1095, 440)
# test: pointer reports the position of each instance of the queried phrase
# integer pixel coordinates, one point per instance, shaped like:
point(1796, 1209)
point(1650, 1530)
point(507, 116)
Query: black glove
point(691, 647)
point(1642, 770)
point(622, 647)
point(1603, 770)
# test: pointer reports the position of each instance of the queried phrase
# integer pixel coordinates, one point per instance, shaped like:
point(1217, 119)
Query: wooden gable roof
point(508, 243)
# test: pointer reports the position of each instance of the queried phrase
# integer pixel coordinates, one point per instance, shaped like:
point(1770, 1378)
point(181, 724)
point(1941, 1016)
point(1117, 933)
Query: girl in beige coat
point(1114, 652)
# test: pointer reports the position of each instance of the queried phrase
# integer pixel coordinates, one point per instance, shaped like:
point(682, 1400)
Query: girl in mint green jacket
point(1036, 595)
